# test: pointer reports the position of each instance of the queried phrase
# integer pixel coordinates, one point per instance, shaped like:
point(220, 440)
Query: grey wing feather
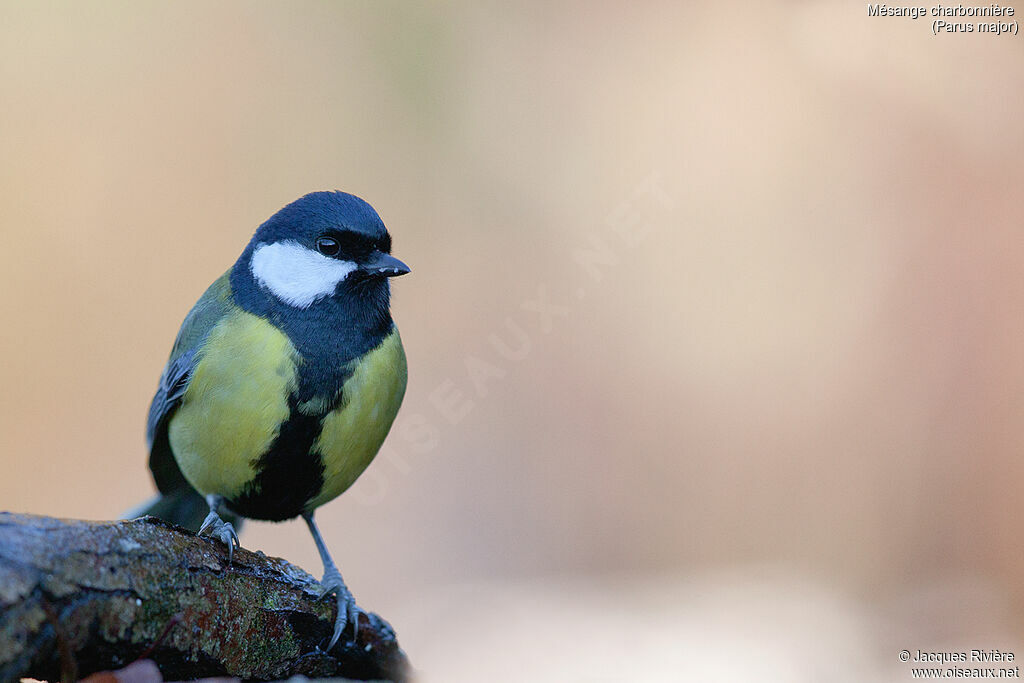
point(173, 383)
point(211, 307)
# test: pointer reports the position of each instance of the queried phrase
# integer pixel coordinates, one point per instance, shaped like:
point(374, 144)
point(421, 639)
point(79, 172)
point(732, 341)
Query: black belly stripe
point(289, 474)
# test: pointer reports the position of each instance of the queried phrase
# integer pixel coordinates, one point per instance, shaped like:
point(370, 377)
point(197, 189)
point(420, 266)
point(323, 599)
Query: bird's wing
point(211, 307)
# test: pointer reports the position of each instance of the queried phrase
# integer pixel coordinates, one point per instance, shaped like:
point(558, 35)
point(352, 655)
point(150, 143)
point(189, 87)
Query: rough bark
point(78, 597)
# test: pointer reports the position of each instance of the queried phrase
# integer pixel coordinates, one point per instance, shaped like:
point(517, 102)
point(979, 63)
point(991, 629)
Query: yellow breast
point(236, 401)
point(353, 433)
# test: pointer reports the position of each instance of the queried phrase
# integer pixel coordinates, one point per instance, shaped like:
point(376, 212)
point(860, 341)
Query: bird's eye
point(328, 246)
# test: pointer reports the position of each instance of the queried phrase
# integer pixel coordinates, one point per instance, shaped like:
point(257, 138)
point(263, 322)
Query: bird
point(283, 381)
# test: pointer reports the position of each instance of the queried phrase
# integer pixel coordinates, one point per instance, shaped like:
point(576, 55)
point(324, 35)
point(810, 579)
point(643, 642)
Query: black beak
point(386, 265)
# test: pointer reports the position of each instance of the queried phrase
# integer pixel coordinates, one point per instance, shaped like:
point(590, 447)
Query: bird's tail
point(183, 506)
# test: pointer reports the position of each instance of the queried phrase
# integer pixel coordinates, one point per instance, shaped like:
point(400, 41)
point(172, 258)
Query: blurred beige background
point(714, 328)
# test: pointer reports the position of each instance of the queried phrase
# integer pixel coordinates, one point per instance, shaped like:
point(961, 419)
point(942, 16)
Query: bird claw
point(347, 608)
point(215, 527)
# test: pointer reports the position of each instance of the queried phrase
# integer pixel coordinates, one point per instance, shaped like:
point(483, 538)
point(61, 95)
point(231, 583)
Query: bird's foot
point(347, 608)
point(216, 527)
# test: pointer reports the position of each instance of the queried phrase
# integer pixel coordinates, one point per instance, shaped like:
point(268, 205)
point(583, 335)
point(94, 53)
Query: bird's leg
point(216, 527)
point(333, 583)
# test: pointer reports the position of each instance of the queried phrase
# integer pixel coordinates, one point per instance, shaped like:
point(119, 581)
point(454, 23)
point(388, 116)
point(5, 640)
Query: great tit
point(284, 378)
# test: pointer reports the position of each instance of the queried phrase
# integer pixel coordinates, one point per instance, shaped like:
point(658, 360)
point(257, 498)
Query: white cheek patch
point(296, 275)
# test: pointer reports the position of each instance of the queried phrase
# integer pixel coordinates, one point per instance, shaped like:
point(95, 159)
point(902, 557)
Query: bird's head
point(322, 246)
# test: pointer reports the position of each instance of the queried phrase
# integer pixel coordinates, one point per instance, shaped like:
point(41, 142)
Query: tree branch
point(78, 597)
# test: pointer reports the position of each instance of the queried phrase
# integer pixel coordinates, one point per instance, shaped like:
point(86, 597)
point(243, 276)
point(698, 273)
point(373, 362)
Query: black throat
point(329, 334)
